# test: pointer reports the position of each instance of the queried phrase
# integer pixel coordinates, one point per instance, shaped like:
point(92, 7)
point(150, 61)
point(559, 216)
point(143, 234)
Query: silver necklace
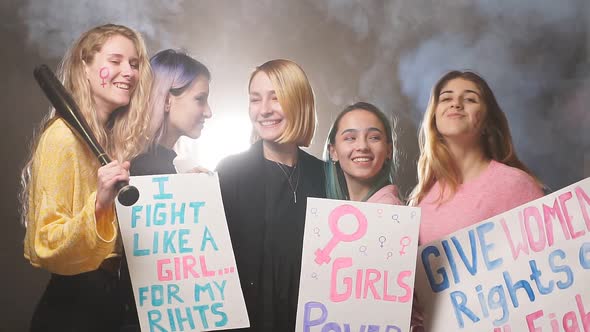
point(290, 178)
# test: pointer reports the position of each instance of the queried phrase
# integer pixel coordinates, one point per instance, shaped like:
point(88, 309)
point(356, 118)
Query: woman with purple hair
point(178, 107)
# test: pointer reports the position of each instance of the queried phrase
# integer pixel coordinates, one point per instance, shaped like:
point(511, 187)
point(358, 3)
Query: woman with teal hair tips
point(360, 155)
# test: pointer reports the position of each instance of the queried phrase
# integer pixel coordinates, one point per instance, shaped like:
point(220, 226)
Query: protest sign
point(524, 270)
point(358, 266)
point(180, 255)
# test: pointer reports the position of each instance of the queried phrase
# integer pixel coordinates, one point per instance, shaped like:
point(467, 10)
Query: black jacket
point(242, 180)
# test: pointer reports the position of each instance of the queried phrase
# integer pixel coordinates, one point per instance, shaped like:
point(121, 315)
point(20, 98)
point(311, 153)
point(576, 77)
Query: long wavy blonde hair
point(124, 136)
point(436, 162)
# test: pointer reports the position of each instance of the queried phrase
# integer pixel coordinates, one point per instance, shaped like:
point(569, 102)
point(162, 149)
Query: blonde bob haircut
point(436, 162)
point(295, 97)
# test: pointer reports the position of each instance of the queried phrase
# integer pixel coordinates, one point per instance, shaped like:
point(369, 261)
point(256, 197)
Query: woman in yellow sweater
point(68, 197)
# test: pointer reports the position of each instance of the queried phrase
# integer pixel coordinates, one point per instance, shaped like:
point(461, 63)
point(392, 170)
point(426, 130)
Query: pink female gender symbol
point(404, 242)
point(103, 73)
point(323, 255)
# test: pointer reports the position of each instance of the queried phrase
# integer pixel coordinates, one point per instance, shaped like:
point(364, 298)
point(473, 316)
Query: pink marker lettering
point(370, 283)
point(531, 212)
point(584, 315)
point(520, 246)
point(582, 196)
point(401, 283)
point(550, 213)
point(340, 263)
point(163, 275)
point(189, 263)
point(530, 321)
point(563, 198)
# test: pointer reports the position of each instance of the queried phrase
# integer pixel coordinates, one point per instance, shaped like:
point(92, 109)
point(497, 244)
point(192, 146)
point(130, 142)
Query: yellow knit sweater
point(63, 234)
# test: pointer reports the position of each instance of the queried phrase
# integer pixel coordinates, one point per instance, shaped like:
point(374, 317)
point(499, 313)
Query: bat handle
point(103, 159)
point(127, 194)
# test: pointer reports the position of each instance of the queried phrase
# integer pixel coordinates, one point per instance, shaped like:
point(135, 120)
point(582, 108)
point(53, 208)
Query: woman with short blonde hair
point(265, 191)
point(296, 98)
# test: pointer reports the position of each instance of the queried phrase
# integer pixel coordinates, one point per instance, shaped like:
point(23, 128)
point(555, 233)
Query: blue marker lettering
point(486, 248)
point(161, 194)
point(561, 268)
point(434, 285)
point(207, 237)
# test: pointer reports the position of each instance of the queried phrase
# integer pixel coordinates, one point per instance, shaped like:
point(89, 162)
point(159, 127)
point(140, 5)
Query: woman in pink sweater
point(468, 170)
point(360, 156)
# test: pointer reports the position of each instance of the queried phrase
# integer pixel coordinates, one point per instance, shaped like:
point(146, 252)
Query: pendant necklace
point(291, 177)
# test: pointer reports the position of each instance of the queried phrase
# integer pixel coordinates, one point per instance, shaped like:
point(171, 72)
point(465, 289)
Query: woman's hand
point(108, 176)
point(199, 169)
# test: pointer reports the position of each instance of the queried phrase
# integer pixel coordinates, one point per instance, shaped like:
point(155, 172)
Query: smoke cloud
point(54, 24)
point(533, 53)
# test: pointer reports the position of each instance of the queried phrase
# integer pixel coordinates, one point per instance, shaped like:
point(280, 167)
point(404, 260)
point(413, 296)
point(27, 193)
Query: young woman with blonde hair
point(265, 191)
point(68, 197)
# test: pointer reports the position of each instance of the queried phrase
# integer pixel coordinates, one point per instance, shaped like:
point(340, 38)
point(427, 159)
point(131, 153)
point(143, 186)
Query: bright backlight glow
point(223, 135)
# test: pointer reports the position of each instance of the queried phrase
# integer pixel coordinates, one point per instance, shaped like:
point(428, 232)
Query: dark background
point(534, 53)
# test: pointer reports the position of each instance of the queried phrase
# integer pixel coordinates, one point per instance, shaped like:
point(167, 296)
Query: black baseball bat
point(67, 108)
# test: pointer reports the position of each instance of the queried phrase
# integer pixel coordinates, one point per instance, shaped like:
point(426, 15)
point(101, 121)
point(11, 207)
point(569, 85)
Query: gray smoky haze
point(534, 54)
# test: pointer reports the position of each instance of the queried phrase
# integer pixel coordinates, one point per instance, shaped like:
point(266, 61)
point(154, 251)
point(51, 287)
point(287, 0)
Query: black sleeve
point(139, 165)
point(227, 171)
point(150, 164)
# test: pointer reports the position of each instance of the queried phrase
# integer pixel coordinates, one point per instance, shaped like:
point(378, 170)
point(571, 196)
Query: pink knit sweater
point(498, 189)
point(386, 195)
